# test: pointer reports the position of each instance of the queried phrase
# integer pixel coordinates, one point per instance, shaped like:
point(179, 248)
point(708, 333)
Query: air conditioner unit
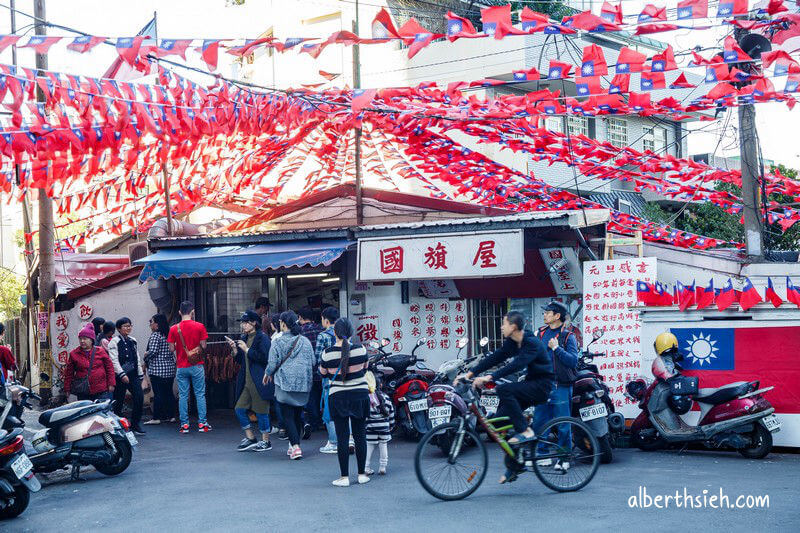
point(137, 250)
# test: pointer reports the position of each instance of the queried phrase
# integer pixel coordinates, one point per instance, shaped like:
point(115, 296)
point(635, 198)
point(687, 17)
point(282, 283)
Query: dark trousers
point(134, 385)
point(293, 422)
point(163, 398)
point(518, 396)
point(105, 395)
point(343, 425)
point(312, 408)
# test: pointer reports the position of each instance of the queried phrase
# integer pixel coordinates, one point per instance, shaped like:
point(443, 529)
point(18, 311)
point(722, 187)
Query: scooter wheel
point(120, 461)
point(761, 443)
point(14, 508)
point(647, 444)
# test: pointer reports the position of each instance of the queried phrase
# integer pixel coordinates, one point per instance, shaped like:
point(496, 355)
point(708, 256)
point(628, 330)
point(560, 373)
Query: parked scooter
point(17, 479)
point(407, 387)
point(78, 434)
point(444, 403)
point(732, 416)
point(591, 402)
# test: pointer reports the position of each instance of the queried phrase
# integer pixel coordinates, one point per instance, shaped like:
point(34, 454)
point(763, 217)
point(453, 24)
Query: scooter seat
point(70, 412)
point(722, 394)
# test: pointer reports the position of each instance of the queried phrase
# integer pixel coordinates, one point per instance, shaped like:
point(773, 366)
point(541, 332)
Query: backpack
point(563, 373)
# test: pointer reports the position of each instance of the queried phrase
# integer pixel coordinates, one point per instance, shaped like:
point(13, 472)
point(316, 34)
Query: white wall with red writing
point(440, 321)
point(609, 291)
point(129, 299)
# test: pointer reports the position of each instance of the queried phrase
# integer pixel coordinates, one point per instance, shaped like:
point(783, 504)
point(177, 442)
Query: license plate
point(772, 423)
point(439, 421)
point(440, 412)
point(131, 438)
point(21, 466)
point(490, 403)
point(593, 411)
point(417, 405)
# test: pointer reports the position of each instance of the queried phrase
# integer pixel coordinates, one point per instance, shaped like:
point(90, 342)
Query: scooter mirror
point(460, 343)
point(44, 376)
point(597, 333)
point(374, 345)
point(385, 341)
point(484, 341)
point(422, 341)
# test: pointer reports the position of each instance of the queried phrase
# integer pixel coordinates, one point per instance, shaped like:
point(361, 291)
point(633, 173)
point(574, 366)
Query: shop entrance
point(315, 290)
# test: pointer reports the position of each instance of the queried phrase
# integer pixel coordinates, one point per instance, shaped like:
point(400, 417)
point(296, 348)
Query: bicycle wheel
point(449, 478)
point(566, 466)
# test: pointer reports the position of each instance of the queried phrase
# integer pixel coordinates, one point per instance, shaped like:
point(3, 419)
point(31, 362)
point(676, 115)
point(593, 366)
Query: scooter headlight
point(599, 392)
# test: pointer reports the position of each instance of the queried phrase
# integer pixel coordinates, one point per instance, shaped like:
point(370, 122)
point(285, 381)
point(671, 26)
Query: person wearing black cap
point(251, 351)
point(262, 307)
point(563, 348)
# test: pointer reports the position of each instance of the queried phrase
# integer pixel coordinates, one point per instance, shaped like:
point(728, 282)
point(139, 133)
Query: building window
point(555, 124)
point(578, 125)
point(624, 206)
point(487, 317)
point(617, 132)
point(655, 139)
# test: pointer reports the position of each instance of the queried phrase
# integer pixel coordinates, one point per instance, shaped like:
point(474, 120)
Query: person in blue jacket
point(563, 349)
point(251, 351)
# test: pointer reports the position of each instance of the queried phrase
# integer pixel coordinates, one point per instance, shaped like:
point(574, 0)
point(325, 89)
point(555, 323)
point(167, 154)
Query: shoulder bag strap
point(287, 356)
point(183, 341)
point(91, 362)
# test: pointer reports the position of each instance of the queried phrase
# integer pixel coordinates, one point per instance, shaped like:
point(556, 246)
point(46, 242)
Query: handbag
point(195, 356)
point(80, 386)
point(286, 357)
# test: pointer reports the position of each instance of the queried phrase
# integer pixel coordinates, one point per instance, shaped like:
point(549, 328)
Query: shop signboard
point(564, 269)
point(443, 256)
point(609, 292)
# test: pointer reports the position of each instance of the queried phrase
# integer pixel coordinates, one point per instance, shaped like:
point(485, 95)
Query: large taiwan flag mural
point(719, 356)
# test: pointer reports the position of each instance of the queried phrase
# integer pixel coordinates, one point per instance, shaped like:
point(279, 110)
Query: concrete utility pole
point(47, 276)
point(751, 195)
point(357, 160)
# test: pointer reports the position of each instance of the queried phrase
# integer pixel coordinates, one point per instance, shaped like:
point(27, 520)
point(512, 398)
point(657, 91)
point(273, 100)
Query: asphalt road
point(199, 482)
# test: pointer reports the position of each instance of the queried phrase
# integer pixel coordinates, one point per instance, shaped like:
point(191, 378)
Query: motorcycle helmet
point(665, 342)
point(680, 404)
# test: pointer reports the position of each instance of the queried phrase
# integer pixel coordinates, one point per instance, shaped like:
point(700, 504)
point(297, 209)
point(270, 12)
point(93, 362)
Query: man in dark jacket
point(563, 349)
point(251, 351)
point(525, 351)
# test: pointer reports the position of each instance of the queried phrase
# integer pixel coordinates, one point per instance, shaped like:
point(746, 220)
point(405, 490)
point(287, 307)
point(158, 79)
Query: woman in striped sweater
point(346, 365)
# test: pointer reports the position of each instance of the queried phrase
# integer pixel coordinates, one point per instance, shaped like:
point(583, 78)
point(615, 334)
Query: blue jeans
point(326, 414)
point(557, 405)
point(244, 420)
point(196, 375)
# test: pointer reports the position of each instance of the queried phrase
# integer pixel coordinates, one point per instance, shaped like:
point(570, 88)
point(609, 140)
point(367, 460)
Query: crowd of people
point(299, 374)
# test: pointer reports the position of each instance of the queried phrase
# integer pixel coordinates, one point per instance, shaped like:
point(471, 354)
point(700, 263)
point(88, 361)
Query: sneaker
point(282, 435)
point(544, 462)
point(173, 420)
point(306, 431)
point(138, 430)
point(363, 479)
point(204, 428)
point(289, 451)
point(297, 453)
point(184, 428)
point(263, 446)
point(328, 448)
point(246, 444)
point(368, 471)
point(274, 429)
point(341, 482)
point(152, 422)
point(561, 466)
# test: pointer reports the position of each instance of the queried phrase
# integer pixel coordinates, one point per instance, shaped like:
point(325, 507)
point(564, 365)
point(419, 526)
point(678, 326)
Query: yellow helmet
point(665, 342)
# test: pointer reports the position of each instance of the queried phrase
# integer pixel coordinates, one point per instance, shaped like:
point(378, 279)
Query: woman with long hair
point(346, 365)
point(291, 362)
point(159, 361)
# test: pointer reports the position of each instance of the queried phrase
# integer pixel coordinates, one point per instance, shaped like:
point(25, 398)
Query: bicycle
point(464, 467)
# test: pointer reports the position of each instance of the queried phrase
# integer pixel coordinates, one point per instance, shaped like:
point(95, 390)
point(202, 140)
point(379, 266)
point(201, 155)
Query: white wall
point(128, 298)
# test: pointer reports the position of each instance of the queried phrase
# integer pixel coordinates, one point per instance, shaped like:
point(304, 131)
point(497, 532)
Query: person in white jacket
point(129, 369)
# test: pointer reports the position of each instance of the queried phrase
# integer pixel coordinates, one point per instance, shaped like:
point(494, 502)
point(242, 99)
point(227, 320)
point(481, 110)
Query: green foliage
point(10, 290)
point(712, 221)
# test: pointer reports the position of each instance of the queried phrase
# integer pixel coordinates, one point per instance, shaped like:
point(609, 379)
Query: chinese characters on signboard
point(447, 256)
point(609, 291)
point(564, 269)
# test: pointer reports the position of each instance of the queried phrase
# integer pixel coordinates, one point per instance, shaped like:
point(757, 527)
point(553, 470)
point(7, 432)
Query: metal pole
point(164, 173)
point(357, 85)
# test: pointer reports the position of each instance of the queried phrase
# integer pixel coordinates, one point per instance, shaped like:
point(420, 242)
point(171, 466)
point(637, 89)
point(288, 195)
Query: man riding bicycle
point(526, 350)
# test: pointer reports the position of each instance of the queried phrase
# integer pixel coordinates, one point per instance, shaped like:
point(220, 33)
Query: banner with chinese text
point(443, 256)
point(609, 291)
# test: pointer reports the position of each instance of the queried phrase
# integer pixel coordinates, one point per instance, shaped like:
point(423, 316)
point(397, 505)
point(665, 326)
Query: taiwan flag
point(729, 8)
point(558, 70)
point(611, 13)
point(651, 12)
point(771, 295)
point(594, 62)
point(692, 9)
point(719, 356)
point(383, 27)
point(630, 61)
point(704, 296)
point(726, 296)
point(749, 296)
point(646, 293)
